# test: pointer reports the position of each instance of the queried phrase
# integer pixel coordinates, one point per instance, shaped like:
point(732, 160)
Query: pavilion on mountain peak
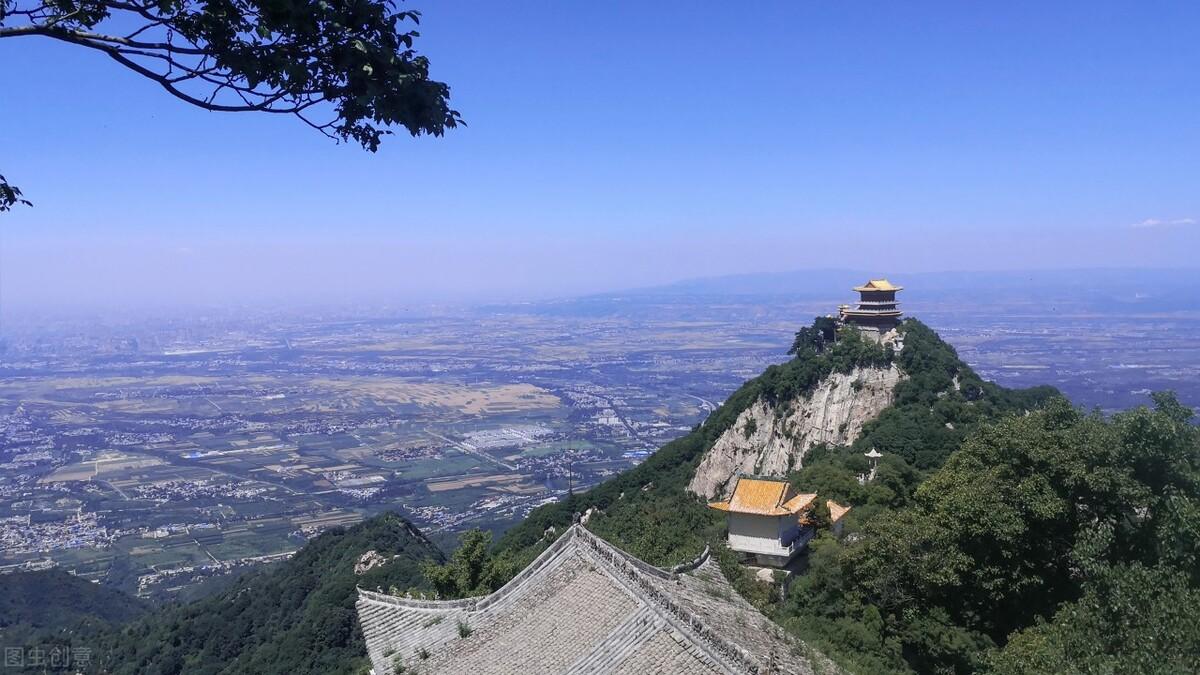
point(877, 310)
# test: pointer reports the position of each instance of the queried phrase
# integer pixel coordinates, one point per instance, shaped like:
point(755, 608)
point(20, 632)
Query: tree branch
point(247, 59)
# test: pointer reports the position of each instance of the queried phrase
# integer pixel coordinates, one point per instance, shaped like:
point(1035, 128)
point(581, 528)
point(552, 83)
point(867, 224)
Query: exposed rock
point(368, 561)
point(587, 515)
point(768, 441)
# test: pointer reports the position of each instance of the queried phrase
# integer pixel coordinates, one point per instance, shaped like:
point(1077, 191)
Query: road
point(705, 403)
point(470, 450)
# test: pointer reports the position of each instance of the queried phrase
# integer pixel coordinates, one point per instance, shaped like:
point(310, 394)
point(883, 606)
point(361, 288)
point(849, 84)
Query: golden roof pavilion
point(877, 309)
point(759, 497)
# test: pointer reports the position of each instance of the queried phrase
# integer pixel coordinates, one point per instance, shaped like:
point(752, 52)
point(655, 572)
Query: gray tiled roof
point(585, 606)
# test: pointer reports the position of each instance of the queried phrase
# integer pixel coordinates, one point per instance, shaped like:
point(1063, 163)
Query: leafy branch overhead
point(347, 68)
point(10, 195)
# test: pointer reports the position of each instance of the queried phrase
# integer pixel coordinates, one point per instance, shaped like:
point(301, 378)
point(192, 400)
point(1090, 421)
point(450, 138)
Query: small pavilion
point(872, 456)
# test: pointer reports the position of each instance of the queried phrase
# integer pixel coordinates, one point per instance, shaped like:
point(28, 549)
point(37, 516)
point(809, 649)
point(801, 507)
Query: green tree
point(813, 338)
point(1027, 517)
point(472, 570)
point(346, 68)
point(1132, 619)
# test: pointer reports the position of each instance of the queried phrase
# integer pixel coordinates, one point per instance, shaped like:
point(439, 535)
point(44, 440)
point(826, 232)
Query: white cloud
point(1158, 222)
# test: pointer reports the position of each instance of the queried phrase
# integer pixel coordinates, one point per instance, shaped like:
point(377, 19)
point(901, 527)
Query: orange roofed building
point(877, 309)
point(770, 523)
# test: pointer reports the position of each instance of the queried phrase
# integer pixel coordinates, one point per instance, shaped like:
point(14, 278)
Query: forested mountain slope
point(1047, 539)
point(46, 608)
point(934, 406)
point(1005, 530)
point(295, 618)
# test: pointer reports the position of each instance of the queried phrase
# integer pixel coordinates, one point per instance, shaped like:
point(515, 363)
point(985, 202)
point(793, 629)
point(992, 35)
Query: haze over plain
point(628, 145)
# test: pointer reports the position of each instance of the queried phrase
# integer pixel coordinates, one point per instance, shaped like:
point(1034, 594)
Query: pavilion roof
point(878, 285)
point(764, 497)
point(836, 510)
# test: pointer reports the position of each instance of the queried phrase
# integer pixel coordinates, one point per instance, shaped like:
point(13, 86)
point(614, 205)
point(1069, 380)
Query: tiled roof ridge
point(836, 510)
point(756, 501)
point(731, 656)
point(650, 585)
point(881, 284)
point(480, 601)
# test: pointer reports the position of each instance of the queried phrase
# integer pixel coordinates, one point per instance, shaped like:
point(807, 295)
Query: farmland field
point(158, 452)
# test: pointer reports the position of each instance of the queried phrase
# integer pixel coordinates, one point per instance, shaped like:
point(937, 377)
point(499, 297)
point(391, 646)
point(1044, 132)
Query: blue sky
point(621, 144)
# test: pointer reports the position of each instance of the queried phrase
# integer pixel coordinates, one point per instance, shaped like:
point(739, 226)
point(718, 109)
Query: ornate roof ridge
point(764, 496)
point(732, 656)
point(878, 285)
point(479, 601)
point(656, 588)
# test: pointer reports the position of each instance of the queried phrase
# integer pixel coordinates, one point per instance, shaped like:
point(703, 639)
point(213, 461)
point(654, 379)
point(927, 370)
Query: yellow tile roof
point(878, 285)
point(836, 510)
point(764, 497)
point(799, 502)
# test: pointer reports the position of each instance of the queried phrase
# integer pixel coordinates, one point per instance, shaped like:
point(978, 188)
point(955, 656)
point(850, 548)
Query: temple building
point(585, 606)
point(877, 310)
point(769, 523)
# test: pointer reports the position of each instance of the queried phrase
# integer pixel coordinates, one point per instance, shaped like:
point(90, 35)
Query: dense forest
point(53, 607)
point(1049, 542)
point(1005, 531)
point(299, 618)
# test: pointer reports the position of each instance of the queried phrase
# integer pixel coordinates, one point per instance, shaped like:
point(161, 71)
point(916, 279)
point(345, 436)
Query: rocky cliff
point(771, 440)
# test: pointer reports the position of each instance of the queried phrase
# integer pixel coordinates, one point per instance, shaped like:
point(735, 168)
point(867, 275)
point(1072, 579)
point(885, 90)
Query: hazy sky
point(622, 144)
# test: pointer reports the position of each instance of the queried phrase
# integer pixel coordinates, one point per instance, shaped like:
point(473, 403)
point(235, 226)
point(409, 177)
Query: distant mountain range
point(1079, 290)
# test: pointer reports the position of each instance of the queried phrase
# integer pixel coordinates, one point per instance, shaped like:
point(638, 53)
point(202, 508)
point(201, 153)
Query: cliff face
point(767, 440)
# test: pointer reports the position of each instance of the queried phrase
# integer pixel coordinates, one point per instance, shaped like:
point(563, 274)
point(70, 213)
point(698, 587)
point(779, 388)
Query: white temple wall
point(755, 533)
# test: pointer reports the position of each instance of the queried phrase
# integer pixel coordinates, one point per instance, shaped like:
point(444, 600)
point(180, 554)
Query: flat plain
point(154, 453)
